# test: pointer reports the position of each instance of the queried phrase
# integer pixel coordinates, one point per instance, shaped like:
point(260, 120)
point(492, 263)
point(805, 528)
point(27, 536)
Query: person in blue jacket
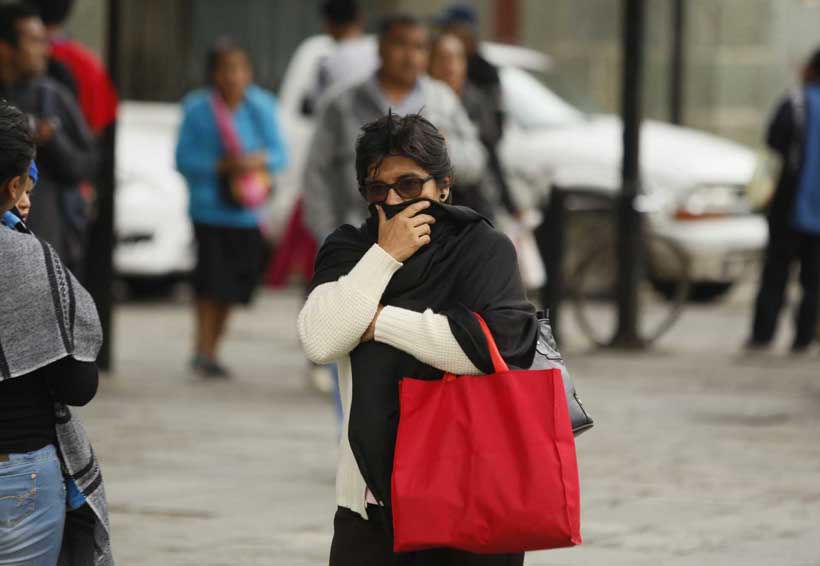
point(794, 214)
point(230, 244)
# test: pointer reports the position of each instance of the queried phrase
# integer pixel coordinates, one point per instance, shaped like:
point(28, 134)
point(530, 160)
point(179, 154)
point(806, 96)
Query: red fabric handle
point(498, 362)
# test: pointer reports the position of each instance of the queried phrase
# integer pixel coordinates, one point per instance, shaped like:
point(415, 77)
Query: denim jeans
point(32, 508)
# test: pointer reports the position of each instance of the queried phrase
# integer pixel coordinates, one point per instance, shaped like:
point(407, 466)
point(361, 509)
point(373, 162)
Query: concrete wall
point(740, 55)
point(88, 23)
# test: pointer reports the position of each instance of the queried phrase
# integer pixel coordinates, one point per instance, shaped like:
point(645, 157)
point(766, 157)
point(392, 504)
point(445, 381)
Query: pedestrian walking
point(354, 57)
point(794, 214)
point(49, 339)
point(229, 147)
point(448, 63)
point(66, 152)
point(94, 88)
point(331, 197)
point(396, 297)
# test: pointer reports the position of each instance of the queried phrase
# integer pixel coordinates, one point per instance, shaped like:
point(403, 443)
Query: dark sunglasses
point(407, 188)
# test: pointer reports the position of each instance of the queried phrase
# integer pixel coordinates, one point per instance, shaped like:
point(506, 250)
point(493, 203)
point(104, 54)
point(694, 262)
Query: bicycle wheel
point(593, 291)
point(665, 260)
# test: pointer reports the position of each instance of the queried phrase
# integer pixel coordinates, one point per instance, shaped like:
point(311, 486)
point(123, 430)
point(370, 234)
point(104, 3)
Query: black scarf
point(468, 267)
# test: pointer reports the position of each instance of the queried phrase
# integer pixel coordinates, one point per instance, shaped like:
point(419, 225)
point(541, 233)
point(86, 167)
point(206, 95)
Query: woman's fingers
point(423, 230)
point(414, 209)
point(422, 219)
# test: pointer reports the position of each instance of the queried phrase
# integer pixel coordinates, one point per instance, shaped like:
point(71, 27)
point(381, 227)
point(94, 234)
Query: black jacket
point(785, 136)
point(58, 212)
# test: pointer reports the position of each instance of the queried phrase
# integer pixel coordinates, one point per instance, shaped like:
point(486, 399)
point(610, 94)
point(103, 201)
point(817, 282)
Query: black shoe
point(207, 367)
point(753, 346)
point(799, 348)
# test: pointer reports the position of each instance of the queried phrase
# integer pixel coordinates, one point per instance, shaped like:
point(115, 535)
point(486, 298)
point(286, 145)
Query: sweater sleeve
point(71, 152)
point(426, 336)
point(463, 144)
point(337, 314)
point(193, 159)
point(320, 177)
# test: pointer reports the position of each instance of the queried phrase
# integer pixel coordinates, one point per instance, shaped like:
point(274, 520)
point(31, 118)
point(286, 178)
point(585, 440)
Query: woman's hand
point(238, 164)
point(370, 334)
point(407, 232)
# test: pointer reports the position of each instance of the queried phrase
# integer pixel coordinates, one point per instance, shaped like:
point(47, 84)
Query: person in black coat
point(66, 152)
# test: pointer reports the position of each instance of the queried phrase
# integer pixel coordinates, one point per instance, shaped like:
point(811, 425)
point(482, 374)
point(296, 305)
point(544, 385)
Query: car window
point(531, 104)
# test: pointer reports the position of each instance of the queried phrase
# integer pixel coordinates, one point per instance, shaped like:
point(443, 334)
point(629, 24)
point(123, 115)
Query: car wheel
point(699, 292)
point(706, 292)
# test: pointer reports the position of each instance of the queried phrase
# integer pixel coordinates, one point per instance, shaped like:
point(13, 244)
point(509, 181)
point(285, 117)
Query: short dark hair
point(411, 136)
point(10, 14)
point(218, 49)
point(340, 12)
point(53, 11)
point(16, 143)
point(399, 19)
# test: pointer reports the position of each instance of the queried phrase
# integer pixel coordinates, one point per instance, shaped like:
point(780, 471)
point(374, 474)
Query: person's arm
point(320, 178)
point(426, 336)
point(337, 314)
point(781, 128)
point(192, 156)
point(73, 382)
point(70, 149)
point(463, 144)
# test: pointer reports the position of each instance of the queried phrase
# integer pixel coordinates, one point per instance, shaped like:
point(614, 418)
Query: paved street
point(700, 456)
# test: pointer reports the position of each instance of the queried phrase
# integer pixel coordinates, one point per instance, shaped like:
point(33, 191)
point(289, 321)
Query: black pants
point(786, 246)
point(357, 542)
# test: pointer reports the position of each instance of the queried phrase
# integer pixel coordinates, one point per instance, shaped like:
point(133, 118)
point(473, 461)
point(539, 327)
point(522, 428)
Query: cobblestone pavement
point(700, 455)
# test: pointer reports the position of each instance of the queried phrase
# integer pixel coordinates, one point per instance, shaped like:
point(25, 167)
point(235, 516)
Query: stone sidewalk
point(700, 456)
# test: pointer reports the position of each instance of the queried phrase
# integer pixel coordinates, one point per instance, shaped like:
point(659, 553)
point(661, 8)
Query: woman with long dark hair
point(229, 148)
point(396, 297)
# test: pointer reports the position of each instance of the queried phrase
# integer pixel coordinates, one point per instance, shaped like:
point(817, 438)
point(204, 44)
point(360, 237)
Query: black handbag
point(547, 356)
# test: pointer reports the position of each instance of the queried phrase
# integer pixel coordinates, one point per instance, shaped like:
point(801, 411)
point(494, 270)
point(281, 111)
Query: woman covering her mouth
point(396, 297)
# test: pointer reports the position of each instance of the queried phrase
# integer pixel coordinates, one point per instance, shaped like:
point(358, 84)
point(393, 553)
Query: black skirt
point(229, 263)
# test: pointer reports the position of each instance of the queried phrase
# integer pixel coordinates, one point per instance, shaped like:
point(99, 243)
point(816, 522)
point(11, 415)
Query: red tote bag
point(485, 464)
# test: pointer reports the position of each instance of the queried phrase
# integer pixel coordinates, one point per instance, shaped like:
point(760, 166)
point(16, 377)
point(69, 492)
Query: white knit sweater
point(332, 322)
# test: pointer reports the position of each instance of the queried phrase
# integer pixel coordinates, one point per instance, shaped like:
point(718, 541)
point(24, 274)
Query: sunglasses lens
point(376, 192)
point(409, 188)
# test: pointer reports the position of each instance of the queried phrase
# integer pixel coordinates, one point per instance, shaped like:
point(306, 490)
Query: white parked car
point(694, 183)
point(154, 238)
point(695, 180)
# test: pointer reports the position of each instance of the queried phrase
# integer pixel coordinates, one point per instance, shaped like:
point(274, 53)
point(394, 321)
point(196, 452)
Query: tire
point(590, 292)
point(703, 292)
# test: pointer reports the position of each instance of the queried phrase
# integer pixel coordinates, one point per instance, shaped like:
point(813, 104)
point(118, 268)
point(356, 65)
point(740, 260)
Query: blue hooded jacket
point(807, 203)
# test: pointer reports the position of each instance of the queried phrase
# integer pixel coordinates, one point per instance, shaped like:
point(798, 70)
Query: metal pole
point(628, 219)
point(677, 70)
point(100, 269)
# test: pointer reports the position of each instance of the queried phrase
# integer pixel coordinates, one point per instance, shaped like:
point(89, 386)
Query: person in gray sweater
point(331, 195)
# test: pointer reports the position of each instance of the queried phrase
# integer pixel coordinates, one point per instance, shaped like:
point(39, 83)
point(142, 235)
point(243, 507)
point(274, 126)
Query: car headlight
point(713, 201)
point(761, 186)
